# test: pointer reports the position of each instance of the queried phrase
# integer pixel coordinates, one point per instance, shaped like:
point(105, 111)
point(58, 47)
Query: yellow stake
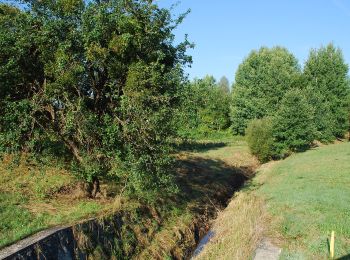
point(331, 249)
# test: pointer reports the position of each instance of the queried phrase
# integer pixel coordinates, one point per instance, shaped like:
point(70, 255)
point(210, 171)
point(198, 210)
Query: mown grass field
point(296, 203)
point(308, 195)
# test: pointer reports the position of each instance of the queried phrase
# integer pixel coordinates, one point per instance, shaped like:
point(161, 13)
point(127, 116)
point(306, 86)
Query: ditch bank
point(171, 230)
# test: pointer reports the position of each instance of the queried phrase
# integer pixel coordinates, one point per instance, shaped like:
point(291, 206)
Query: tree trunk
point(94, 187)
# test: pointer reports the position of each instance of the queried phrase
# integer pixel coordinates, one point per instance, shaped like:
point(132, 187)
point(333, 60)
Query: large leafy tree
point(260, 83)
point(100, 78)
point(325, 75)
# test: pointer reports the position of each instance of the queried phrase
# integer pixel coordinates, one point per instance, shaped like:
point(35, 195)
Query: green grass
point(30, 202)
point(308, 195)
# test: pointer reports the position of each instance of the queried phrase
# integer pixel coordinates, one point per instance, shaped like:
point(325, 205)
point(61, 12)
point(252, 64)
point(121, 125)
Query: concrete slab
point(267, 251)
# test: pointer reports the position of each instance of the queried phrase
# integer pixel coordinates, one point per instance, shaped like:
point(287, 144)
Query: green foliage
point(224, 85)
point(204, 109)
point(100, 77)
point(267, 85)
point(325, 75)
point(16, 125)
point(260, 84)
point(291, 129)
point(260, 138)
point(146, 104)
point(293, 124)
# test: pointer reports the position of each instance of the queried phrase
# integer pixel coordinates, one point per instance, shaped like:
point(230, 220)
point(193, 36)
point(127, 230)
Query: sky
point(225, 31)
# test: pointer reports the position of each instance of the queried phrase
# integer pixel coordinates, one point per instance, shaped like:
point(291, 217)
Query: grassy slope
point(207, 173)
point(237, 229)
point(310, 193)
point(296, 202)
point(30, 201)
point(33, 198)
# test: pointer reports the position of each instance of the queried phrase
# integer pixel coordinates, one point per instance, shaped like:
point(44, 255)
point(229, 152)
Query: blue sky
point(225, 31)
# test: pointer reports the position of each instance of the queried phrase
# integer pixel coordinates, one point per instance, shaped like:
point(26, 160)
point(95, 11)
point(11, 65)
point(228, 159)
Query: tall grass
point(237, 230)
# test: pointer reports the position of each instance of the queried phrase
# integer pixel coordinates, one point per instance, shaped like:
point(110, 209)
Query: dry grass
point(166, 242)
point(207, 176)
point(237, 229)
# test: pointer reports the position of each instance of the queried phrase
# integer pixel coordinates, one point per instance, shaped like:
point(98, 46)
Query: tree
point(291, 129)
point(101, 78)
point(293, 125)
point(204, 109)
point(325, 75)
point(348, 107)
point(261, 81)
point(224, 85)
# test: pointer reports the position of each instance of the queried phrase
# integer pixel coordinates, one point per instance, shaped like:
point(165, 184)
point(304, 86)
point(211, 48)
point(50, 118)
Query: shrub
point(260, 138)
point(292, 128)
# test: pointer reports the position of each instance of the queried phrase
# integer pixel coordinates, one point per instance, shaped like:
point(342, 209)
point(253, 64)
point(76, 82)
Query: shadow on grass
point(346, 257)
point(195, 146)
point(207, 183)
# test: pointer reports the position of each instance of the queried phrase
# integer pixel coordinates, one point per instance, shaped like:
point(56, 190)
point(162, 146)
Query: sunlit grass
point(309, 196)
point(295, 203)
point(28, 202)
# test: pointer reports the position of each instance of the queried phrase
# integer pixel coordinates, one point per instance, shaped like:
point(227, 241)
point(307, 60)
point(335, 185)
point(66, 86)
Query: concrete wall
point(99, 239)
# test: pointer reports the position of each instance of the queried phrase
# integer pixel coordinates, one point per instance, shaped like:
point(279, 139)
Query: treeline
point(281, 107)
point(204, 108)
point(96, 84)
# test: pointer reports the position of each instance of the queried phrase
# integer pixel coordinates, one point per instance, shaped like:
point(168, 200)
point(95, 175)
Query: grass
point(207, 176)
point(233, 151)
point(30, 201)
point(308, 194)
point(296, 203)
point(237, 229)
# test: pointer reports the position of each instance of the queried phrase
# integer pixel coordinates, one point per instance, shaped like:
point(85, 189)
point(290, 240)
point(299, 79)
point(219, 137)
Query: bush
point(260, 138)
